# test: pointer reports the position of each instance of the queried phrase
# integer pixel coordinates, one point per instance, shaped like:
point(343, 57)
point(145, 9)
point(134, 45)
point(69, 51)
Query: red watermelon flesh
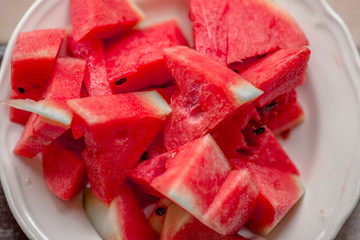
point(283, 113)
point(180, 225)
point(101, 19)
point(279, 192)
point(95, 79)
point(32, 62)
point(256, 27)
point(64, 167)
point(210, 36)
point(277, 73)
point(122, 219)
point(64, 83)
point(136, 61)
point(110, 155)
point(233, 204)
point(194, 175)
point(208, 92)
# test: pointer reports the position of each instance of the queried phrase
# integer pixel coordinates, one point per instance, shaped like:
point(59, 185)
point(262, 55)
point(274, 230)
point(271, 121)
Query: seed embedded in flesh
point(160, 211)
point(269, 106)
point(120, 81)
point(21, 90)
point(259, 131)
point(235, 70)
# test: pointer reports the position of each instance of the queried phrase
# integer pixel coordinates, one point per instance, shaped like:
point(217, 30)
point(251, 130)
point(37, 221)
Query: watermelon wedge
point(64, 167)
point(208, 92)
point(65, 83)
point(122, 219)
point(95, 79)
point(32, 62)
point(210, 36)
point(257, 27)
point(136, 61)
point(110, 155)
point(101, 19)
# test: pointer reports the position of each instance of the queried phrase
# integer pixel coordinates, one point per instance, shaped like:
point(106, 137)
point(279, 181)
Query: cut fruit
point(100, 19)
point(208, 92)
point(257, 27)
point(122, 220)
point(210, 35)
point(64, 167)
point(157, 217)
point(32, 62)
point(110, 156)
point(95, 79)
point(65, 83)
point(136, 61)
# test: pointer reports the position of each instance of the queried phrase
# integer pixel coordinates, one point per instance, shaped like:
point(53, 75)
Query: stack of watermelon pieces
point(135, 118)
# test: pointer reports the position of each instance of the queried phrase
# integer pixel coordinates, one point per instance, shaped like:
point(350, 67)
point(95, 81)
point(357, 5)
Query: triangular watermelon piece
point(117, 130)
point(209, 19)
point(257, 27)
point(32, 62)
point(64, 167)
point(136, 61)
point(101, 19)
point(278, 73)
point(95, 79)
point(65, 83)
point(208, 92)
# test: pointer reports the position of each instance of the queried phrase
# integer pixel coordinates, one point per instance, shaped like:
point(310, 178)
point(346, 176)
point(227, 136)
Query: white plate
point(325, 147)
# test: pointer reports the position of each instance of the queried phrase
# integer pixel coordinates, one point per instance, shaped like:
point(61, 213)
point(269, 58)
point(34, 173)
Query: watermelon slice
point(136, 61)
point(257, 27)
point(123, 219)
point(278, 73)
point(95, 79)
point(101, 19)
point(32, 62)
point(283, 113)
point(279, 192)
point(64, 167)
point(65, 83)
point(210, 36)
point(110, 155)
point(179, 225)
point(208, 92)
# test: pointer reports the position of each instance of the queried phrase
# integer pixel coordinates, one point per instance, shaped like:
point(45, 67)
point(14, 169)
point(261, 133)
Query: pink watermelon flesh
point(210, 37)
point(100, 19)
point(180, 225)
point(256, 27)
point(283, 113)
point(64, 83)
point(32, 62)
point(64, 167)
point(279, 191)
point(95, 79)
point(157, 216)
point(278, 73)
point(123, 219)
point(233, 204)
point(136, 61)
point(110, 155)
point(207, 93)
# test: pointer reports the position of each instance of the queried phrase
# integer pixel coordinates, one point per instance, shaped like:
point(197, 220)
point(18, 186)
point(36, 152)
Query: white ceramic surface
point(324, 147)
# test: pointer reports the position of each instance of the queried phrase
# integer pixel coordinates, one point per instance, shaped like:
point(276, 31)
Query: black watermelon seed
point(120, 81)
point(268, 107)
point(235, 70)
point(259, 131)
point(21, 90)
point(160, 211)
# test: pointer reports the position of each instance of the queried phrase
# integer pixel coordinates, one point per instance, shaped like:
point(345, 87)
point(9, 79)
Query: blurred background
point(12, 10)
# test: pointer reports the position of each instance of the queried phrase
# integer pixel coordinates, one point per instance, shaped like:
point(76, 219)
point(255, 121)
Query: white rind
point(43, 108)
point(154, 99)
point(245, 92)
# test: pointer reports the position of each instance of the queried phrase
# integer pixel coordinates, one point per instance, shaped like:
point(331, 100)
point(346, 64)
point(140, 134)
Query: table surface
point(349, 10)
